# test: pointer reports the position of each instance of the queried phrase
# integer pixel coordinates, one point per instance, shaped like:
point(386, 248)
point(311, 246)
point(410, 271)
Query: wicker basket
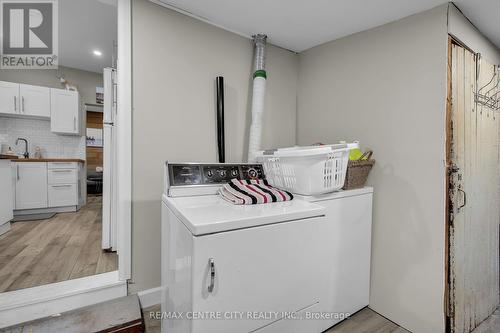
point(357, 171)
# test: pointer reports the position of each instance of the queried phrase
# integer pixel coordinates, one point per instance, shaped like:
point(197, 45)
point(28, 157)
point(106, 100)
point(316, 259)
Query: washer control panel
point(182, 174)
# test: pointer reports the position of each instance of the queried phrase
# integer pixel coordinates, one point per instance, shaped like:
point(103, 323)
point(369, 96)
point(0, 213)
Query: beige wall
point(386, 87)
point(175, 62)
point(85, 81)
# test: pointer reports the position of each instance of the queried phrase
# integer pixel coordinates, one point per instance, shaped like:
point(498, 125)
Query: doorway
point(473, 189)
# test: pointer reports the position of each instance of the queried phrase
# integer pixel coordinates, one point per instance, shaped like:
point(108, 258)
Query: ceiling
point(84, 26)
point(485, 15)
point(298, 25)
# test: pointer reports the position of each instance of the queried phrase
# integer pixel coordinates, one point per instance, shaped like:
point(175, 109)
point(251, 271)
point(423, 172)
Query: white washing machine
point(260, 268)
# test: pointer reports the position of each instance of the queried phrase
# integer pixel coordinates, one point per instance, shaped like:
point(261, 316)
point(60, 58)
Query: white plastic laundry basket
point(307, 170)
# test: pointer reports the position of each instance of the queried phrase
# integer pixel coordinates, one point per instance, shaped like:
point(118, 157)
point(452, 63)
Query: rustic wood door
point(473, 273)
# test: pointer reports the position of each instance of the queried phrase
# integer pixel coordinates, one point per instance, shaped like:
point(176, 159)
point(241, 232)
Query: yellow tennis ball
point(355, 154)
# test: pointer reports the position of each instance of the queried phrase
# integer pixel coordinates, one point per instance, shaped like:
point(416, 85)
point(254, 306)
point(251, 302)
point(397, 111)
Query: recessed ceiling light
point(97, 53)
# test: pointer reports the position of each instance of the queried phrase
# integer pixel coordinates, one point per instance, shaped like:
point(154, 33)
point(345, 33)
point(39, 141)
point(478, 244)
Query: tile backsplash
point(38, 133)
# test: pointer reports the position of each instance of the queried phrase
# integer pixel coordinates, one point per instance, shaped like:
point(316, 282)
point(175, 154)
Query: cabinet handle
point(17, 172)
point(211, 263)
point(22, 101)
point(74, 123)
point(61, 170)
point(15, 104)
point(61, 185)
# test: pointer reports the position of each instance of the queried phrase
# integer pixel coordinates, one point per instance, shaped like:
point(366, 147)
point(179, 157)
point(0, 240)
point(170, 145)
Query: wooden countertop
point(8, 157)
point(24, 160)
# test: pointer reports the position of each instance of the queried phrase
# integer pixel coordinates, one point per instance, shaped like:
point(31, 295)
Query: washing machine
point(266, 268)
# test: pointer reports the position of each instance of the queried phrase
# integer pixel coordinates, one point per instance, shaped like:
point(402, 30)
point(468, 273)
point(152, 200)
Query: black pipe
point(219, 80)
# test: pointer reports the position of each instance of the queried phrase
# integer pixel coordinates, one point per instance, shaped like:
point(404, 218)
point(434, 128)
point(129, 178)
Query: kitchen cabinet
point(62, 184)
point(31, 185)
point(9, 97)
point(34, 100)
point(65, 111)
point(6, 195)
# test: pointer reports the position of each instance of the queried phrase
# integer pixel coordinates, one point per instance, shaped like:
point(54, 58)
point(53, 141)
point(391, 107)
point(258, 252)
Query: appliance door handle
point(22, 103)
point(465, 198)
point(74, 123)
point(15, 103)
point(211, 264)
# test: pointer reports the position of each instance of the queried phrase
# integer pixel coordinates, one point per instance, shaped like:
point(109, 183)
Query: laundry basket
point(307, 170)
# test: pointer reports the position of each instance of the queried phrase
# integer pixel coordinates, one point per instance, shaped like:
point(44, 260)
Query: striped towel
point(252, 192)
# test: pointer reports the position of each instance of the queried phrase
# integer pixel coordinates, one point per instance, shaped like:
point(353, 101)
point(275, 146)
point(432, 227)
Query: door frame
point(41, 301)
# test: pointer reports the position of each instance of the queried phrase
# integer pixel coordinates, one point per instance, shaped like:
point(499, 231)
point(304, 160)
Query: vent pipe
point(221, 150)
point(259, 90)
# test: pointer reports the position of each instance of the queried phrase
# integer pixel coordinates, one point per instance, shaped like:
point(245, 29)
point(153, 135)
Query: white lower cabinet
point(40, 185)
point(63, 184)
point(63, 195)
point(31, 185)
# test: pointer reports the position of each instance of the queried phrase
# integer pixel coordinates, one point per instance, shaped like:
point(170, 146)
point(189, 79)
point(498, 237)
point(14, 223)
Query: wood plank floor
point(365, 321)
point(67, 246)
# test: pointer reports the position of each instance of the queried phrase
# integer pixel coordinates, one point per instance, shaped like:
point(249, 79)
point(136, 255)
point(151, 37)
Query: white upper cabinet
point(9, 97)
point(35, 100)
point(65, 111)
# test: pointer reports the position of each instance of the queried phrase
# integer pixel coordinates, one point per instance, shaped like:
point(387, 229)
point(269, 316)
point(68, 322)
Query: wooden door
point(473, 161)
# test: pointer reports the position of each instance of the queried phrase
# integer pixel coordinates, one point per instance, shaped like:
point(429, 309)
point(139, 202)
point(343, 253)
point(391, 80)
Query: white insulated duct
point(258, 95)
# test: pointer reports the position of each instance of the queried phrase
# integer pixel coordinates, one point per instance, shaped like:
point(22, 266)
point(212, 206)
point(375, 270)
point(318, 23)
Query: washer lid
point(210, 214)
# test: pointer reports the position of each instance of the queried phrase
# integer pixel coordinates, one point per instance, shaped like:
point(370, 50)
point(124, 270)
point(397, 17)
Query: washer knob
point(234, 173)
point(222, 173)
point(252, 173)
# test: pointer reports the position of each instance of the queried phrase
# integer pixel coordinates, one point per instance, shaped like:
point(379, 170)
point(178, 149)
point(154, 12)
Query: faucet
point(26, 153)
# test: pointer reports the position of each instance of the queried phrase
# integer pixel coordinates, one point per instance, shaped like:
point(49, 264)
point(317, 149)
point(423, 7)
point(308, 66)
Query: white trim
point(4, 228)
point(124, 138)
point(38, 302)
point(150, 297)
point(200, 18)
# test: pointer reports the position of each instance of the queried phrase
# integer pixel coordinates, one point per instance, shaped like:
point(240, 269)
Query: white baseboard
point(150, 297)
point(33, 303)
point(65, 209)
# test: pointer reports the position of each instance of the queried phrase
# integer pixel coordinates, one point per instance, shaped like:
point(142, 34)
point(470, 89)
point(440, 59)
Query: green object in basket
point(355, 154)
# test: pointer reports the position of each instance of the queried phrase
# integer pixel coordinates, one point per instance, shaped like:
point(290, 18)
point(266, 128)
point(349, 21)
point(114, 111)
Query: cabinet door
point(31, 185)
point(35, 100)
point(275, 268)
point(65, 115)
point(6, 193)
point(62, 195)
point(9, 97)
